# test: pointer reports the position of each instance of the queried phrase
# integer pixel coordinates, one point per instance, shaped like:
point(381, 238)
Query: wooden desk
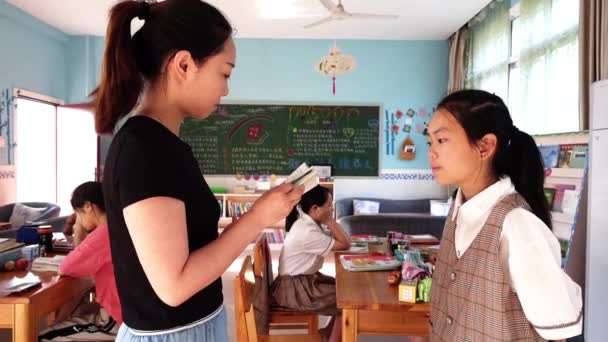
point(21, 312)
point(371, 306)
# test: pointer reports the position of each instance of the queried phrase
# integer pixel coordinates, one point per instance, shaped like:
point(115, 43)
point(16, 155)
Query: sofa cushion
point(22, 214)
point(361, 207)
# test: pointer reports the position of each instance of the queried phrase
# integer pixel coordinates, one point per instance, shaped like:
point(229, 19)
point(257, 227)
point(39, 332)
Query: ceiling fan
point(337, 12)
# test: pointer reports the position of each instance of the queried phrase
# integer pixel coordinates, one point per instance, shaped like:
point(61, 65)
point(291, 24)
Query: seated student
point(91, 257)
point(300, 286)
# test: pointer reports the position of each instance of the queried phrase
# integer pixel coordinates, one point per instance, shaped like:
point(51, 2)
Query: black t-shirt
point(146, 160)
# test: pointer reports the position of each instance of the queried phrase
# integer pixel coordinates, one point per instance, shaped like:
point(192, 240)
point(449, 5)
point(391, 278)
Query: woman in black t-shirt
point(162, 216)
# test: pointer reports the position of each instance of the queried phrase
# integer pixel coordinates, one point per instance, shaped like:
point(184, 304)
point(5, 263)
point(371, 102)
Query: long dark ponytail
point(517, 155)
point(129, 63)
point(316, 196)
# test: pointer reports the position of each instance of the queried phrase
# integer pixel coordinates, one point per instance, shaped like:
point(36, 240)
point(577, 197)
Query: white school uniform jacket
point(305, 247)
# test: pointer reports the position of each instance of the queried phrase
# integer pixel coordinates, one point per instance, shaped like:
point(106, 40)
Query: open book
point(304, 175)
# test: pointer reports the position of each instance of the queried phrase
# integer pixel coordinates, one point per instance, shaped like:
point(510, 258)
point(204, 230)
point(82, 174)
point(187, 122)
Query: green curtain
point(487, 53)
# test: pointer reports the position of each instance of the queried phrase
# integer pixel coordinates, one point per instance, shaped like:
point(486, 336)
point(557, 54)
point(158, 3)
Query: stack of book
point(62, 244)
point(47, 264)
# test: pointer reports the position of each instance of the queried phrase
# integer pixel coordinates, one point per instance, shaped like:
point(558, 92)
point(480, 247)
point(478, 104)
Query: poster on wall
point(8, 182)
point(404, 143)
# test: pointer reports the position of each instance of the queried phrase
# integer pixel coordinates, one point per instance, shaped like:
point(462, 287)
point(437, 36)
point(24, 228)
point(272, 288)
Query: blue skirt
point(211, 330)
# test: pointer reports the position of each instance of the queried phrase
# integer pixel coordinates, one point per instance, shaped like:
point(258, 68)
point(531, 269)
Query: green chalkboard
point(277, 138)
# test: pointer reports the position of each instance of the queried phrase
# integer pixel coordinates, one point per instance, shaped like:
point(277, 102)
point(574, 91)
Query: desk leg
point(349, 325)
point(24, 328)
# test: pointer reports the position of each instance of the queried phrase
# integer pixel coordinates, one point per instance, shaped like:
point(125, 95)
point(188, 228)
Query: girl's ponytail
point(525, 167)
point(121, 82)
point(291, 218)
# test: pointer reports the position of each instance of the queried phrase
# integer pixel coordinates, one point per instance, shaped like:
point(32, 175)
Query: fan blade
point(328, 4)
point(373, 16)
point(318, 22)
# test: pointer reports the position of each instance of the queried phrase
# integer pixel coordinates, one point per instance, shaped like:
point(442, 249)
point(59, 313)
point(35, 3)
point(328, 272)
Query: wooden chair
point(243, 309)
point(280, 320)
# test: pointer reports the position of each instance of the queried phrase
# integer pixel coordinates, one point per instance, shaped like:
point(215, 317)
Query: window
point(543, 67)
point(538, 75)
point(56, 150)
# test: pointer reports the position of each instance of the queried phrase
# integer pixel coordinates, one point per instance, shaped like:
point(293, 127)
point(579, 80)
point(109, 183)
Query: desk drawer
point(6, 316)
point(393, 322)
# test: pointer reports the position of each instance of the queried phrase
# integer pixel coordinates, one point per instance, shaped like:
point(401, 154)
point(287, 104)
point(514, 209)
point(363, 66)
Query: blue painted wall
point(399, 75)
point(84, 55)
point(32, 57)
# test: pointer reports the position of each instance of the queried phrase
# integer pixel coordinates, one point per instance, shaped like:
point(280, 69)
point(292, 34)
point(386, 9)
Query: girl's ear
point(180, 64)
point(487, 146)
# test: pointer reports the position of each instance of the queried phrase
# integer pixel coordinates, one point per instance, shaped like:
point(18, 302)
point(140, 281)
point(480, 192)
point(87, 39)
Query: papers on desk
point(19, 288)
point(46, 264)
point(358, 263)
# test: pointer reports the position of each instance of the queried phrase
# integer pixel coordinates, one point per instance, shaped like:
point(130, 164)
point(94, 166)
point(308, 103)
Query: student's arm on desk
point(343, 241)
point(177, 276)
point(87, 258)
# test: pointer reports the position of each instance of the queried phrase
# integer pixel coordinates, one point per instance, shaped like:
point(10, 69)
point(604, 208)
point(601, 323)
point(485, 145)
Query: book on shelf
point(238, 208)
point(550, 155)
point(559, 194)
point(578, 159)
point(570, 201)
point(304, 175)
point(549, 196)
point(358, 263)
point(573, 156)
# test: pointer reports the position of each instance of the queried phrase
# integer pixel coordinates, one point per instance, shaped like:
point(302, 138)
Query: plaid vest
point(471, 299)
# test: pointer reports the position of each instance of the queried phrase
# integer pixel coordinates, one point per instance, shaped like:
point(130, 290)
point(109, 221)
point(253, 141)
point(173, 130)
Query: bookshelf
point(565, 188)
point(234, 205)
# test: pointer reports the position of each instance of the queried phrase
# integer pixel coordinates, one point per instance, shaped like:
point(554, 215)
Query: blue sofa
point(47, 216)
point(406, 216)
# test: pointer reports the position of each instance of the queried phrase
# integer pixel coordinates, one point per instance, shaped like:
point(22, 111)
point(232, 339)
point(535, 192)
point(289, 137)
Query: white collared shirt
point(305, 247)
point(531, 259)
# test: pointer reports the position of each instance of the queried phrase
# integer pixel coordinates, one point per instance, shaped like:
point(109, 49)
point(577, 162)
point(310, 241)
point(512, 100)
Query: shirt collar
point(483, 201)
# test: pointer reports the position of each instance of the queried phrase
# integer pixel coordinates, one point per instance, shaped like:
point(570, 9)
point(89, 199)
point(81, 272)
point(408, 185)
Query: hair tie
point(143, 12)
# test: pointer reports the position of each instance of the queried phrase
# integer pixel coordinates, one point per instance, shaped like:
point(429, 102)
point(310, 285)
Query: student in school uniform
point(498, 276)
point(312, 233)
point(91, 257)
point(162, 215)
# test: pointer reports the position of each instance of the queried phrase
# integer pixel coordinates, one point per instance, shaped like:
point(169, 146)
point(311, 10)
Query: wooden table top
point(369, 291)
point(51, 282)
